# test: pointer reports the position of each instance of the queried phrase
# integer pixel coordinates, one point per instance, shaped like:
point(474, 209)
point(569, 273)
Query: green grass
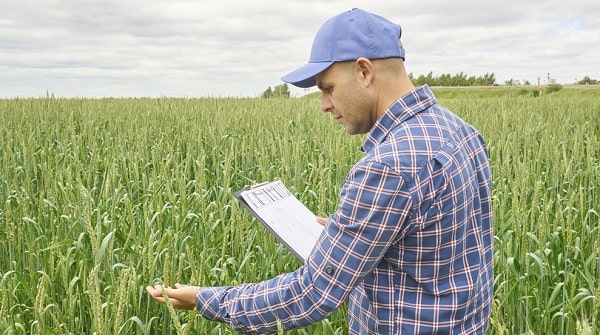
point(101, 197)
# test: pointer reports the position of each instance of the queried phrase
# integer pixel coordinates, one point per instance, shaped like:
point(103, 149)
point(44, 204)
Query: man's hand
point(181, 297)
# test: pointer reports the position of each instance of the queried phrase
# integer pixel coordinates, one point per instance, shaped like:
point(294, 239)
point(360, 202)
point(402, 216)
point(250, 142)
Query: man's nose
point(326, 105)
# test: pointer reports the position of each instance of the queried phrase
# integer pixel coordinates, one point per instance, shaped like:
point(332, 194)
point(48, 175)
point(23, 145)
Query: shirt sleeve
point(369, 218)
point(372, 215)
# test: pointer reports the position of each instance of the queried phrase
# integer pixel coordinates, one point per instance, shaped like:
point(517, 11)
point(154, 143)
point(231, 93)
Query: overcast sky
point(186, 48)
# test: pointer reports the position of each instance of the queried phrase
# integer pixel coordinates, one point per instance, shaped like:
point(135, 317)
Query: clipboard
point(288, 219)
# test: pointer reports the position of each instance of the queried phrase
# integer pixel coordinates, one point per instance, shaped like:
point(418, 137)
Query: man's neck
point(392, 92)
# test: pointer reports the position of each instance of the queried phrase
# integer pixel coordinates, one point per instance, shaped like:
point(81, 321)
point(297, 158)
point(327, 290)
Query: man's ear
point(365, 70)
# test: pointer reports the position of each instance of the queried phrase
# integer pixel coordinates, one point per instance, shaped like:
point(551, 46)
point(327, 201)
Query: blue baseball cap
point(347, 37)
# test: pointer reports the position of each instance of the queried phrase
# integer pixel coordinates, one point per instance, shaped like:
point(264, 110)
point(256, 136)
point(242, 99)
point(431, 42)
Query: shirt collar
point(402, 109)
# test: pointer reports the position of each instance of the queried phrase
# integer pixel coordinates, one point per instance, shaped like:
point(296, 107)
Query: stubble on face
point(347, 98)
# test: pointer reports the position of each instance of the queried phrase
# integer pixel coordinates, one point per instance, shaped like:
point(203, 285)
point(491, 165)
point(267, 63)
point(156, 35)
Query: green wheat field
point(101, 197)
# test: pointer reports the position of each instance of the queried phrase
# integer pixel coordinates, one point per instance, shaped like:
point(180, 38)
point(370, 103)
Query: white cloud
point(238, 48)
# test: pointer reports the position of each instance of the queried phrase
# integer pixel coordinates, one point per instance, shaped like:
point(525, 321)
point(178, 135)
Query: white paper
point(284, 215)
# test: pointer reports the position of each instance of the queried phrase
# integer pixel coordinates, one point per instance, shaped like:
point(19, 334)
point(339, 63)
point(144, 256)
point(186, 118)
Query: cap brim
point(304, 77)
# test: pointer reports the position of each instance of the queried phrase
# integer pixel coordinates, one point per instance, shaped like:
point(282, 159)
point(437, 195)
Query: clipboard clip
point(254, 186)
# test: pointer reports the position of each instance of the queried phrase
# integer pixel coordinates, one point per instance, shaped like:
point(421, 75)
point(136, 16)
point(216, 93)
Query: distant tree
point(588, 81)
point(268, 93)
point(280, 91)
point(488, 79)
point(429, 80)
point(444, 80)
point(460, 79)
point(512, 82)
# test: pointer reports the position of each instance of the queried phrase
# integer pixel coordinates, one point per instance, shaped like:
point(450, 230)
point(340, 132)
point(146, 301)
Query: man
point(410, 245)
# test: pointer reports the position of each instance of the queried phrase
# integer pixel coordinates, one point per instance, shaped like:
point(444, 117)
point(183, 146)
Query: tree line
point(459, 79)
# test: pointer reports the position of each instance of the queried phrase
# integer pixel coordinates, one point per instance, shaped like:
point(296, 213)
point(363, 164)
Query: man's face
point(345, 96)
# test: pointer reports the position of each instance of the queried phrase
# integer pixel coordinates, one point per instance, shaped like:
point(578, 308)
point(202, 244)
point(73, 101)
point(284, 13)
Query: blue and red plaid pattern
point(410, 246)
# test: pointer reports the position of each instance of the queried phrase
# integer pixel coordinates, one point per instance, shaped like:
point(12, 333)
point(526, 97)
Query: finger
point(175, 295)
point(153, 290)
point(321, 220)
point(162, 294)
point(160, 291)
point(155, 293)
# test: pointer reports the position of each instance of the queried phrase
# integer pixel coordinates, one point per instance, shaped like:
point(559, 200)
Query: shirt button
point(329, 270)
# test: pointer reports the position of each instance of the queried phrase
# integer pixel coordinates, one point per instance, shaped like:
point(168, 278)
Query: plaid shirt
point(410, 246)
